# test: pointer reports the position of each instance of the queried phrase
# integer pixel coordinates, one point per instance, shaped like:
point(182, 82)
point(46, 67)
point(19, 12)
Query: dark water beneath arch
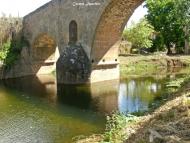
point(33, 110)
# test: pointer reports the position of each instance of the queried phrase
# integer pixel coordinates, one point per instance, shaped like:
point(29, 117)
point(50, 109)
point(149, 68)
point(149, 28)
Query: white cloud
point(21, 7)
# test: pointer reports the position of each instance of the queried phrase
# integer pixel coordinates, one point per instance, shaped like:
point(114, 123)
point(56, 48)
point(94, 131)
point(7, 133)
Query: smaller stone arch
point(44, 48)
point(44, 54)
point(73, 32)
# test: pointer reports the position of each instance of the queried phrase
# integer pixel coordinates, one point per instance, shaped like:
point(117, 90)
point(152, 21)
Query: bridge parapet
point(38, 9)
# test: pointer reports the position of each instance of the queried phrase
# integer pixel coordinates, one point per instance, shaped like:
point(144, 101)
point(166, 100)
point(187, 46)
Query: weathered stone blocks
point(99, 32)
point(73, 66)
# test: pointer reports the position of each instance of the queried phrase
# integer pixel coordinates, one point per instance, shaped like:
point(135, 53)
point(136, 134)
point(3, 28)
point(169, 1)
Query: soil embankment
point(152, 65)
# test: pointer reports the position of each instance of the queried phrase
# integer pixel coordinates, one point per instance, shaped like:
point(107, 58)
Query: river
point(37, 110)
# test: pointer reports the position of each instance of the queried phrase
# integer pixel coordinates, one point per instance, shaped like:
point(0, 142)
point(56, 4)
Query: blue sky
point(23, 7)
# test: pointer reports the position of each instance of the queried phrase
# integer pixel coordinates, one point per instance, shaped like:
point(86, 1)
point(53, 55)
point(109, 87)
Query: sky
point(23, 7)
point(139, 13)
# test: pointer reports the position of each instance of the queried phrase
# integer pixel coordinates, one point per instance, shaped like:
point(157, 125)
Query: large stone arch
point(93, 56)
point(104, 53)
point(110, 28)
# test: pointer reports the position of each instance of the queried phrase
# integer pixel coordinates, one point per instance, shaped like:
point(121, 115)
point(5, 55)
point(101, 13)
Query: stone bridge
point(78, 37)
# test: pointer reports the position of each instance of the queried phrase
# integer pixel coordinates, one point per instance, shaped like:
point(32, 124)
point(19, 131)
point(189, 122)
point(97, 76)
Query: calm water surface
point(35, 109)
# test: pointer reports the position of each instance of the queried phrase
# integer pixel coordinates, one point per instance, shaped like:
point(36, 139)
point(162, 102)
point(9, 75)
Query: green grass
point(139, 68)
point(173, 86)
point(152, 65)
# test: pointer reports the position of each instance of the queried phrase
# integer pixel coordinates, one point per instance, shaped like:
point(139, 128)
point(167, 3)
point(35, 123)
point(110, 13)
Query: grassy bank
point(153, 65)
point(170, 122)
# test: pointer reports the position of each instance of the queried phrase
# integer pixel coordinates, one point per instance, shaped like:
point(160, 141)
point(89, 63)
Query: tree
point(168, 18)
point(139, 34)
point(182, 10)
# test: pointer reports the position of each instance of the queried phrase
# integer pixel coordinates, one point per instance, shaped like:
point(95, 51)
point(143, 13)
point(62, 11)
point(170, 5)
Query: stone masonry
point(99, 27)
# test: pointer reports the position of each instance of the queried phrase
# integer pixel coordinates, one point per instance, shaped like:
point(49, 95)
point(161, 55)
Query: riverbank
point(157, 64)
point(169, 122)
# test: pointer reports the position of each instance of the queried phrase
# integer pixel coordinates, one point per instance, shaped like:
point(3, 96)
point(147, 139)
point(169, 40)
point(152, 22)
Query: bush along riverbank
point(157, 64)
point(169, 122)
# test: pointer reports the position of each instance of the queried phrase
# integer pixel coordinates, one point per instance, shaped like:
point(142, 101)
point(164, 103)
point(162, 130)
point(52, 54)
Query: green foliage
point(4, 50)
point(8, 55)
point(168, 18)
point(140, 34)
point(182, 9)
point(177, 83)
point(115, 125)
point(142, 68)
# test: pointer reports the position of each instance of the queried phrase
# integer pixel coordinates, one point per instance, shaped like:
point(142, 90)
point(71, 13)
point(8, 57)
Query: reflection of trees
point(135, 95)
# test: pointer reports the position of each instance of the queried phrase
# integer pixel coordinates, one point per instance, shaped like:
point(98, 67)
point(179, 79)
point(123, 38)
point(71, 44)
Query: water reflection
point(40, 109)
point(105, 96)
point(42, 86)
point(27, 114)
point(77, 96)
point(136, 94)
point(129, 95)
point(99, 97)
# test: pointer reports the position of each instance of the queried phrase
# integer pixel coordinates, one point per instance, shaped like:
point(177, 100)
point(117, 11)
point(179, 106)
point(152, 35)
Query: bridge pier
point(73, 66)
point(77, 69)
point(104, 72)
point(97, 73)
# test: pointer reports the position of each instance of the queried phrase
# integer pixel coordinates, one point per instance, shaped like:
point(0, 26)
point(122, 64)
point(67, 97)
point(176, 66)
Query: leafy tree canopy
point(169, 18)
point(140, 34)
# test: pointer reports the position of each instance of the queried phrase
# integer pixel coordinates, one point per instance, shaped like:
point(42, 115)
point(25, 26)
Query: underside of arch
point(44, 48)
point(110, 28)
point(44, 53)
point(104, 53)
